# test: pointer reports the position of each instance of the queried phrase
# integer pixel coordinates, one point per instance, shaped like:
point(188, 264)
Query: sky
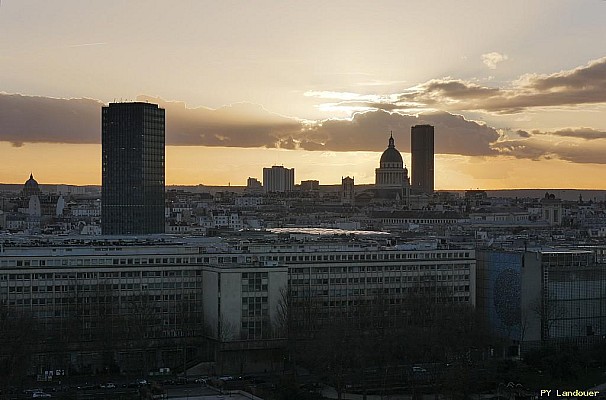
point(516, 90)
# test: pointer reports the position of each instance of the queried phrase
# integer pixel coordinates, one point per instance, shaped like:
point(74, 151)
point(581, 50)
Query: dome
point(391, 154)
point(31, 183)
point(31, 187)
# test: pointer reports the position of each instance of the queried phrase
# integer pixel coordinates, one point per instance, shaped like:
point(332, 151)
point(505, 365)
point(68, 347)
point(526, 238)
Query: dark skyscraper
point(132, 194)
point(421, 138)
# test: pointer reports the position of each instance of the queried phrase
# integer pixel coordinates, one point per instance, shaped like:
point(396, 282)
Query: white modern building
point(278, 179)
point(157, 296)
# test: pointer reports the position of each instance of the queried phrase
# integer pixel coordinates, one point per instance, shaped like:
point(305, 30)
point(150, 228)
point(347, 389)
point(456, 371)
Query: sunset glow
point(515, 90)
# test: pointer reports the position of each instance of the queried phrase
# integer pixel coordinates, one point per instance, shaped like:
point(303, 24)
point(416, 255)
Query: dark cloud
point(523, 134)
point(29, 119)
point(436, 90)
point(26, 119)
point(370, 130)
point(583, 85)
point(582, 133)
point(589, 77)
point(237, 125)
point(578, 133)
point(571, 146)
point(567, 151)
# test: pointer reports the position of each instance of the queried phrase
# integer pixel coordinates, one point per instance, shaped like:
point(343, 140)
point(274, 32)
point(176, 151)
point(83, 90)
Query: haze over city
point(515, 90)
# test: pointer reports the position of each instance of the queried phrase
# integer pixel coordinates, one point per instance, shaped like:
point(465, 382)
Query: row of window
point(110, 301)
point(377, 279)
point(380, 269)
point(104, 287)
point(103, 261)
point(368, 256)
point(305, 292)
point(95, 275)
point(226, 259)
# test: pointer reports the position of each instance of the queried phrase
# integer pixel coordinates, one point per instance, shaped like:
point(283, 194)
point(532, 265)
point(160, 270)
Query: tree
point(19, 337)
point(142, 325)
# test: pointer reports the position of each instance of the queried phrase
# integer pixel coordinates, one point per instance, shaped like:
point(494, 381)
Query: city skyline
point(510, 88)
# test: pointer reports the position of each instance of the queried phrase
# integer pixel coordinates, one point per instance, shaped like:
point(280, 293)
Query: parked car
point(108, 385)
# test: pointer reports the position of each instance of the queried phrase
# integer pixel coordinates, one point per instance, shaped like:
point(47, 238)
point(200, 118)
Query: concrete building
point(422, 155)
point(141, 298)
point(544, 296)
point(155, 297)
point(253, 185)
point(399, 219)
point(310, 186)
point(132, 193)
point(278, 179)
point(241, 299)
point(147, 297)
point(551, 209)
point(348, 193)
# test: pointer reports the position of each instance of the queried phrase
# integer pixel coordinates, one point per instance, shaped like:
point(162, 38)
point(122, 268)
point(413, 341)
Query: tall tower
point(132, 193)
point(422, 149)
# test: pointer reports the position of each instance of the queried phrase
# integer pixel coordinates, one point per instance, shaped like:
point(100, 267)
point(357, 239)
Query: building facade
point(422, 155)
point(391, 174)
point(545, 296)
point(148, 303)
point(278, 179)
point(133, 169)
point(348, 192)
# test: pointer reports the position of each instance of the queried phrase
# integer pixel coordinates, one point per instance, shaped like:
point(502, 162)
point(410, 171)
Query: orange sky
point(515, 89)
point(80, 165)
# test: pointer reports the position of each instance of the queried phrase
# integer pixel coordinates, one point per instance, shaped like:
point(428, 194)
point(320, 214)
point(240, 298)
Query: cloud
point(579, 133)
point(582, 85)
point(370, 130)
point(88, 44)
point(34, 119)
point(492, 59)
point(28, 119)
point(569, 144)
point(235, 125)
point(579, 86)
point(523, 134)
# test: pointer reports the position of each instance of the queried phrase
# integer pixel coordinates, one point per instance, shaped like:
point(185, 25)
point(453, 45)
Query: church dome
point(391, 154)
point(31, 183)
point(31, 187)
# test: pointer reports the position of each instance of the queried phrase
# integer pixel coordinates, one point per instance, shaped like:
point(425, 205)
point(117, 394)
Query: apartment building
point(155, 301)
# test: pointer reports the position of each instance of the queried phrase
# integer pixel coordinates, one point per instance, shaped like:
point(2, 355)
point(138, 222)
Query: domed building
point(37, 209)
point(30, 188)
point(391, 174)
point(392, 186)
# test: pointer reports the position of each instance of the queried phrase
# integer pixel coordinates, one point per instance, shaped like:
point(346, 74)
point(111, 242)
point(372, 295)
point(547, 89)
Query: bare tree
point(549, 313)
point(142, 325)
point(19, 336)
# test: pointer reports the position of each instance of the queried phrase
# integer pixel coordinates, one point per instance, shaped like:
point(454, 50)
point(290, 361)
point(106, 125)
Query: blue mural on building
point(501, 288)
